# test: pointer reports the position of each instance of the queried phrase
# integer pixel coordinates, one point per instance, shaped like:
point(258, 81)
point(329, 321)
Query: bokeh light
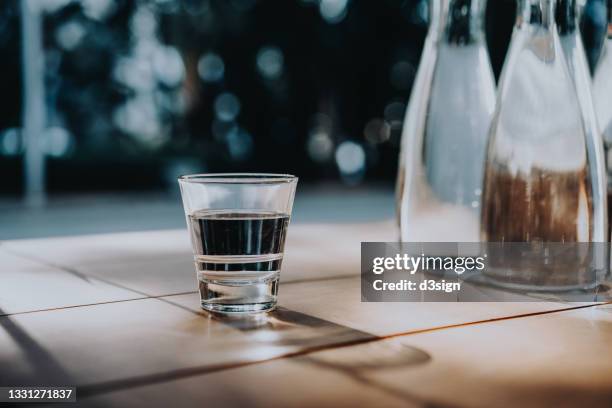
point(11, 142)
point(351, 158)
point(69, 35)
point(58, 141)
point(333, 11)
point(395, 111)
point(377, 131)
point(138, 117)
point(240, 144)
point(227, 106)
point(320, 145)
point(135, 73)
point(270, 62)
point(143, 23)
point(168, 66)
point(211, 67)
point(98, 9)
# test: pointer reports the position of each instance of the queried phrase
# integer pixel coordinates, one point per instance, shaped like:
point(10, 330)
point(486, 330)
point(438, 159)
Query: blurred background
point(105, 102)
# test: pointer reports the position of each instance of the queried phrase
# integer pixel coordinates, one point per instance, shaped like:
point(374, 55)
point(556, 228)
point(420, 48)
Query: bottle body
point(445, 131)
point(539, 184)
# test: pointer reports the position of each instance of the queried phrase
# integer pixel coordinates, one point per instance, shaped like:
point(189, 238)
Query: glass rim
point(238, 178)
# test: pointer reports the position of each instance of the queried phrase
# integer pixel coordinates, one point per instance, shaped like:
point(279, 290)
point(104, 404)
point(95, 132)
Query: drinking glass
point(238, 224)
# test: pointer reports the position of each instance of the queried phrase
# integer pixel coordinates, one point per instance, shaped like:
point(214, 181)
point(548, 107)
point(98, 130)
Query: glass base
point(244, 308)
point(238, 296)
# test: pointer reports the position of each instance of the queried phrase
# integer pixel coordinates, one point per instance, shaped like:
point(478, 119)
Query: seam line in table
point(89, 390)
point(52, 309)
point(143, 295)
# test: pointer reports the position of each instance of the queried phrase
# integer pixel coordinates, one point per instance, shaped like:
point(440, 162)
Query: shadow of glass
point(359, 361)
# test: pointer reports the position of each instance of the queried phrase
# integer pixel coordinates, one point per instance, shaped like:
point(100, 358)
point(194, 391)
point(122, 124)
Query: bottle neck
point(458, 22)
point(536, 13)
point(567, 17)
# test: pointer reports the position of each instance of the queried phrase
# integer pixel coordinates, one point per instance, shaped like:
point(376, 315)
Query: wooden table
point(117, 316)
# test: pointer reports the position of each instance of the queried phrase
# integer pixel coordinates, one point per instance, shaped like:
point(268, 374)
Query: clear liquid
point(238, 255)
point(542, 207)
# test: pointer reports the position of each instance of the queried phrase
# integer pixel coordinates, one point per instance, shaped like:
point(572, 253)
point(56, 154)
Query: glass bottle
point(445, 130)
point(539, 182)
point(575, 55)
point(602, 96)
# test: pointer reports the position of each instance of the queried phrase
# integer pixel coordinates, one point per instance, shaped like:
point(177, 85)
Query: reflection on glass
point(602, 95)
point(445, 131)
point(573, 48)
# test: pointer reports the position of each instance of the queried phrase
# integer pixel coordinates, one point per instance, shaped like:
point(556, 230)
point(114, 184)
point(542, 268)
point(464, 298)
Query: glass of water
point(238, 223)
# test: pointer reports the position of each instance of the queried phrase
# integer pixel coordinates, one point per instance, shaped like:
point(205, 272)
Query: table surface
point(118, 316)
